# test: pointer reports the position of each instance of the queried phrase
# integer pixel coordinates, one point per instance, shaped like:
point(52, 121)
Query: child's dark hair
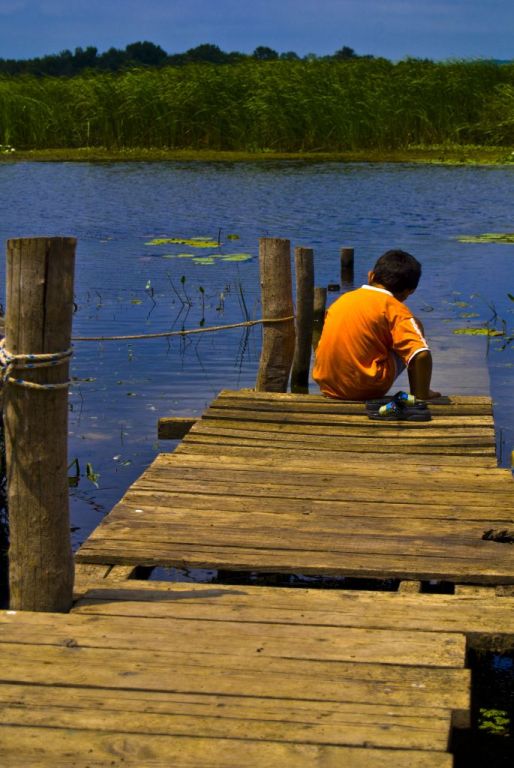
point(397, 271)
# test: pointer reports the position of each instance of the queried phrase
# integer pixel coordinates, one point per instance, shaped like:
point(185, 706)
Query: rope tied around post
point(10, 362)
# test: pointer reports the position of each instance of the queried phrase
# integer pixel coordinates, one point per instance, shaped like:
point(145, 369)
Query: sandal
point(400, 407)
point(393, 412)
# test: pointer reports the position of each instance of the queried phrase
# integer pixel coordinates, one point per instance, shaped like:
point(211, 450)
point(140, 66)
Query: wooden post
point(347, 265)
point(320, 303)
point(304, 264)
point(39, 317)
point(277, 302)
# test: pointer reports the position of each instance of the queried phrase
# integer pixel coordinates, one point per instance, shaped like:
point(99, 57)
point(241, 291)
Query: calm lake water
point(124, 286)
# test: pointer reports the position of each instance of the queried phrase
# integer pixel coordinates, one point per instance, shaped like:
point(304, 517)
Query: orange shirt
point(354, 358)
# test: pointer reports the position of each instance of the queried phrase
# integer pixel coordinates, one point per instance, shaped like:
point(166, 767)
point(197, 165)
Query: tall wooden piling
point(347, 258)
point(304, 269)
point(277, 302)
point(320, 304)
point(38, 321)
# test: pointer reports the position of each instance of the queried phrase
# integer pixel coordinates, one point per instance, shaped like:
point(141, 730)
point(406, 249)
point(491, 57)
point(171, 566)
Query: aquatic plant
point(192, 242)
point(488, 237)
point(494, 721)
point(478, 332)
point(330, 105)
point(210, 258)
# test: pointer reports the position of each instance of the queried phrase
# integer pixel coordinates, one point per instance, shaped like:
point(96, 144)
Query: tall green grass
point(280, 105)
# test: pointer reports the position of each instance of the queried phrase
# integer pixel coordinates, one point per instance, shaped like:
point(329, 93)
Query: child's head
point(398, 272)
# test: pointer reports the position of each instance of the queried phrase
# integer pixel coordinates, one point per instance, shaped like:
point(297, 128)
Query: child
point(370, 336)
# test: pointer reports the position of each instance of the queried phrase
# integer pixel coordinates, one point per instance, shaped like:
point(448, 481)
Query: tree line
point(147, 54)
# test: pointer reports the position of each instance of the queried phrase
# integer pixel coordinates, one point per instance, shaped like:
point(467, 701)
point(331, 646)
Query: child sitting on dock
point(370, 336)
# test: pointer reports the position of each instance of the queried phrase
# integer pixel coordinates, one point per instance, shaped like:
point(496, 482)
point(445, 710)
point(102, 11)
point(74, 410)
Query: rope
point(10, 363)
point(165, 334)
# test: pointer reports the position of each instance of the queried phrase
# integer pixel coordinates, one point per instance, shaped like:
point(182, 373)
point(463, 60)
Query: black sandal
point(399, 407)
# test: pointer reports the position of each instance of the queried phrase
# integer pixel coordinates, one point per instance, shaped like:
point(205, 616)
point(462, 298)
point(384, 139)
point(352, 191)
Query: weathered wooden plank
point(86, 748)
point(362, 564)
point(404, 434)
point(174, 427)
point(277, 485)
point(85, 573)
point(295, 531)
point(328, 490)
point(458, 404)
point(436, 649)
point(326, 456)
point(411, 472)
point(243, 416)
point(353, 413)
point(302, 413)
point(475, 446)
point(468, 613)
point(369, 430)
point(426, 548)
point(361, 443)
point(473, 590)
point(269, 709)
point(120, 573)
point(235, 717)
point(161, 502)
point(429, 733)
point(252, 394)
point(223, 674)
point(409, 587)
point(89, 572)
point(239, 473)
point(268, 523)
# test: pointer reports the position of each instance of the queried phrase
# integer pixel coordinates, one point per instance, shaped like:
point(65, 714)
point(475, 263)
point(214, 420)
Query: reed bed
point(286, 106)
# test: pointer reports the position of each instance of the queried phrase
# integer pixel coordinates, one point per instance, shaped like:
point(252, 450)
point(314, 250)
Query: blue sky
point(437, 29)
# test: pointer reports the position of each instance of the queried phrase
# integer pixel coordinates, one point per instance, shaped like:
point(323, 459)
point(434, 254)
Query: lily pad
point(233, 237)
point(478, 332)
point(237, 257)
point(192, 242)
point(488, 237)
point(469, 314)
point(203, 259)
point(136, 301)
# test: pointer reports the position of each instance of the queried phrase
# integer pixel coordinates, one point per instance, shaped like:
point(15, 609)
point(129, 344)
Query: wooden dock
point(302, 484)
point(147, 673)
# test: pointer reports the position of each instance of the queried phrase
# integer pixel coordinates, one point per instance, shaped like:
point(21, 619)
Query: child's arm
point(420, 373)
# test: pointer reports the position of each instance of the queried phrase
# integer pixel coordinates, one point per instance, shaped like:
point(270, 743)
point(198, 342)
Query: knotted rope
point(10, 363)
